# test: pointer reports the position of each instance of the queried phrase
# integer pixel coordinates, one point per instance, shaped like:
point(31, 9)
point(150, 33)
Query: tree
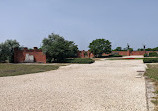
point(57, 48)
point(140, 49)
point(149, 49)
point(130, 49)
point(118, 49)
point(127, 48)
point(100, 46)
point(7, 50)
point(3, 52)
point(155, 49)
point(152, 49)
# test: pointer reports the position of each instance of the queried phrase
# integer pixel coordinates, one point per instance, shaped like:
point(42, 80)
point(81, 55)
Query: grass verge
point(125, 59)
point(152, 73)
point(150, 60)
point(20, 69)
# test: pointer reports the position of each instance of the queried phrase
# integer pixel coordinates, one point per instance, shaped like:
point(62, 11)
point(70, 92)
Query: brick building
point(27, 56)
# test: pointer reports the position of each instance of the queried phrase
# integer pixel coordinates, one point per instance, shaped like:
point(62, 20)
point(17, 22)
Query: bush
point(150, 60)
point(115, 55)
point(153, 54)
point(146, 55)
point(79, 60)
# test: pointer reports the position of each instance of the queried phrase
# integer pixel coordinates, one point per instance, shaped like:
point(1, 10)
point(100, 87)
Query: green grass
point(155, 102)
point(152, 72)
point(150, 60)
point(124, 59)
point(20, 69)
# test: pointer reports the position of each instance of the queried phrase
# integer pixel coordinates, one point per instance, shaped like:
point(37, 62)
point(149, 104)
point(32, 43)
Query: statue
point(144, 46)
point(127, 46)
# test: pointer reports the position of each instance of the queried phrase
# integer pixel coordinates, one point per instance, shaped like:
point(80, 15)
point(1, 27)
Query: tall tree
point(7, 50)
point(100, 46)
point(57, 48)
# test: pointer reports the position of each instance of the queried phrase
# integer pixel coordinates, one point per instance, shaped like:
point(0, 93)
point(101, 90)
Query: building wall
point(19, 55)
point(85, 54)
point(137, 53)
point(81, 54)
point(121, 52)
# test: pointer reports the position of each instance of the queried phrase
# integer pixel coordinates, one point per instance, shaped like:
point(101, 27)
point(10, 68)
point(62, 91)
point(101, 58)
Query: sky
point(82, 21)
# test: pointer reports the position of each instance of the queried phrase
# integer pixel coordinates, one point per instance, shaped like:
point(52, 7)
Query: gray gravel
point(102, 86)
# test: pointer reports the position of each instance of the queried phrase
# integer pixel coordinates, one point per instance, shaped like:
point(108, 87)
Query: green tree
point(7, 50)
point(149, 49)
point(130, 49)
point(140, 49)
point(126, 49)
point(118, 49)
point(152, 49)
point(155, 49)
point(57, 48)
point(3, 52)
point(100, 46)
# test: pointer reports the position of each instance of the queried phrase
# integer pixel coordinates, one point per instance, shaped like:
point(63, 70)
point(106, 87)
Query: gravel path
point(102, 86)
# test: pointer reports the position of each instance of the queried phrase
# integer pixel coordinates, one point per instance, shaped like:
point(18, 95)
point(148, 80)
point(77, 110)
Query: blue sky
point(120, 21)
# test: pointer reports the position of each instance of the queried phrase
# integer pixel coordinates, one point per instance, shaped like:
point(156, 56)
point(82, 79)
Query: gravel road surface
point(107, 85)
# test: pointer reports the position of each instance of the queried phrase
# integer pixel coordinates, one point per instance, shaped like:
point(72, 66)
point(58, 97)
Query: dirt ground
point(107, 85)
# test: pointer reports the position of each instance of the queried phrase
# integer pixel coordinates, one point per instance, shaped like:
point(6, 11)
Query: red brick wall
point(19, 55)
point(124, 53)
point(81, 54)
point(137, 53)
point(120, 52)
point(133, 52)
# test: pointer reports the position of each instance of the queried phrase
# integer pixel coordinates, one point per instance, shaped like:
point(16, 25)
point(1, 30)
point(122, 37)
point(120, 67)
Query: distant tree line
point(152, 49)
point(57, 49)
point(122, 49)
point(139, 49)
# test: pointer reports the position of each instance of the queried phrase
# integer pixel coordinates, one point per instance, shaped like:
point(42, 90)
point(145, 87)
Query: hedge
point(150, 60)
point(146, 55)
point(79, 60)
point(110, 56)
point(115, 55)
point(153, 54)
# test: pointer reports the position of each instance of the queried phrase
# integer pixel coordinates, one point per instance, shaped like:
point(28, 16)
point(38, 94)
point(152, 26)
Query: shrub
point(113, 55)
point(146, 55)
point(153, 54)
point(116, 55)
point(79, 60)
point(150, 60)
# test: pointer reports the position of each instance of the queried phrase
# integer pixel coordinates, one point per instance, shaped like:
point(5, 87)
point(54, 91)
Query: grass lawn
point(152, 73)
point(20, 69)
point(124, 58)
